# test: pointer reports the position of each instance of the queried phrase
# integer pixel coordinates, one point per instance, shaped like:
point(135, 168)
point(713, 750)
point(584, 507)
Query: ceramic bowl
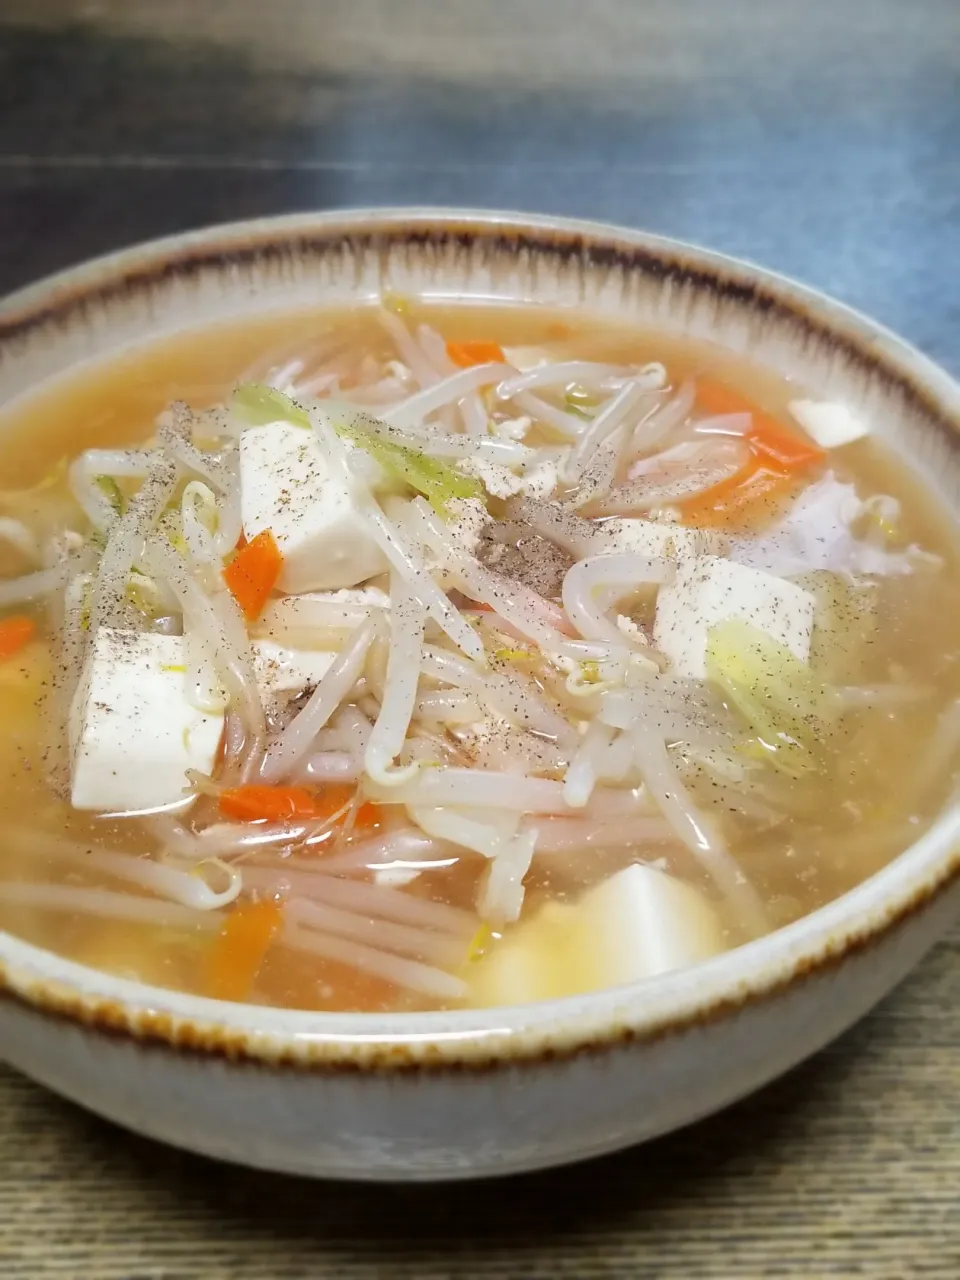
point(455, 1095)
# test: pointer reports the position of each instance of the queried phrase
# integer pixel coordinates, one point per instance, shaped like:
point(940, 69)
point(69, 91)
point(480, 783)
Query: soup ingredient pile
point(465, 674)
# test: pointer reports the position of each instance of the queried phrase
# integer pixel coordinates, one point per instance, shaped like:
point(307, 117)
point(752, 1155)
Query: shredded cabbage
point(112, 492)
point(788, 708)
point(261, 405)
point(438, 481)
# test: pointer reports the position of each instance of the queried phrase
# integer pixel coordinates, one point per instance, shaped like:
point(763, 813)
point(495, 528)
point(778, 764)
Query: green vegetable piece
point(261, 405)
point(788, 709)
point(439, 482)
point(112, 492)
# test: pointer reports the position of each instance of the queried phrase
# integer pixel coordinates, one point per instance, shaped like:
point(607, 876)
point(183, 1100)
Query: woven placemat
point(850, 1166)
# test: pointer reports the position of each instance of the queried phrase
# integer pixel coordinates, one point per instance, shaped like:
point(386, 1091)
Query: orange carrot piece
point(777, 454)
point(368, 815)
point(741, 501)
point(252, 573)
point(466, 354)
point(778, 445)
point(716, 399)
point(262, 802)
point(15, 632)
point(240, 948)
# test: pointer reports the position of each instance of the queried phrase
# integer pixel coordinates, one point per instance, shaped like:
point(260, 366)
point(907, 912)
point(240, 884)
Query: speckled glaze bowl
point(502, 1090)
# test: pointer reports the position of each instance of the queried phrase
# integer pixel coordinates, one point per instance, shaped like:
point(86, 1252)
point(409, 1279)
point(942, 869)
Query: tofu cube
point(626, 534)
point(638, 923)
point(708, 590)
point(281, 670)
point(286, 486)
point(133, 734)
point(830, 424)
point(642, 922)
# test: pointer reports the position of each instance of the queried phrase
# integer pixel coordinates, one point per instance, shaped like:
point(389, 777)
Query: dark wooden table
point(819, 137)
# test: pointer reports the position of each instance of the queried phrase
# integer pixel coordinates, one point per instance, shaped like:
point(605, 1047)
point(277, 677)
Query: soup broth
point(603, 665)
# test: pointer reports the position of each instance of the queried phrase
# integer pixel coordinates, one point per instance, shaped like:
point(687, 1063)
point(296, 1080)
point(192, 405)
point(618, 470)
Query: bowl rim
point(34, 978)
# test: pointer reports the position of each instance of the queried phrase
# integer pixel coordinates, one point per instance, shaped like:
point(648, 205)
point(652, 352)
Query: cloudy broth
point(889, 653)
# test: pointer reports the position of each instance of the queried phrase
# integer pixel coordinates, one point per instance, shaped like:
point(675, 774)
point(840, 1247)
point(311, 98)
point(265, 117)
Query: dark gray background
point(818, 138)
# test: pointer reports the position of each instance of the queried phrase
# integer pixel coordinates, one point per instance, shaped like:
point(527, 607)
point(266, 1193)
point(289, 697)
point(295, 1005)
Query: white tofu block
point(133, 734)
point(286, 486)
point(642, 922)
point(830, 424)
point(708, 590)
point(632, 536)
point(636, 924)
point(282, 670)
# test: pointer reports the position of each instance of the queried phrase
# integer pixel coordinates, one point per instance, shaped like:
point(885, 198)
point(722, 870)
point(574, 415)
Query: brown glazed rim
point(478, 1040)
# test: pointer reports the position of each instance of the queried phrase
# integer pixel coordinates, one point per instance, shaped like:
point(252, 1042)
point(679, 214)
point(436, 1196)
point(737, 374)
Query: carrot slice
point(240, 948)
point(740, 502)
point(368, 815)
point(783, 448)
point(253, 572)
point(777, 456)
point(15, 632)
point(466, 354)
point(717, 399)
point(262, 802)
